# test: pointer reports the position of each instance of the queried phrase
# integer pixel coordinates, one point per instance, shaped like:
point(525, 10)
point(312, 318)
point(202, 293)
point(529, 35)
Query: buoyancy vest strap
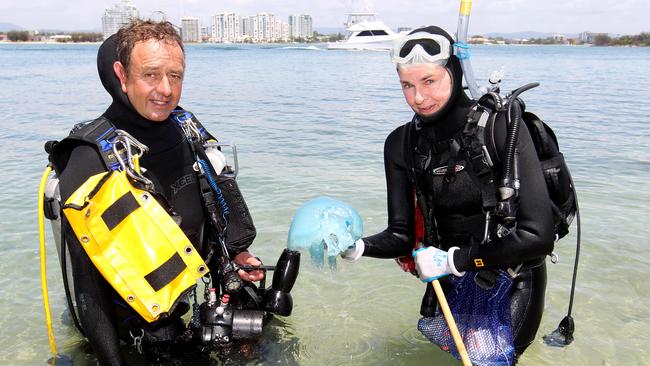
point(197, 136)
point(163, 275)
point(478, 156)
point(119, 210)
point(180, 116)
point(212, 197)
point(424, 202)
point(454, 149)
point(546, 146)
point(98, 133)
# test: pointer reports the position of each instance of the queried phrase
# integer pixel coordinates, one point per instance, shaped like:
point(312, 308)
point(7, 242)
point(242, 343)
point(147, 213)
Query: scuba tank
point(556, 173)
point(52, 212)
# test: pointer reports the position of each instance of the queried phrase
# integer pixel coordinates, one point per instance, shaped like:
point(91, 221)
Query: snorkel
point(462, 50)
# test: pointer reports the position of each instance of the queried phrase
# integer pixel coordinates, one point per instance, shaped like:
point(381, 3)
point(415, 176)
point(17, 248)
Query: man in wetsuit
point(142, 68)
point(425, 155)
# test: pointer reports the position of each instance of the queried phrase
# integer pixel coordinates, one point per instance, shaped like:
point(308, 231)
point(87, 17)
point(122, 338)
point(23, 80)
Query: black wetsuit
point(458, 206)
point(104, 317)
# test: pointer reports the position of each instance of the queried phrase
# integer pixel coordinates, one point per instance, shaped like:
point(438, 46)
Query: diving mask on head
point(420, 48)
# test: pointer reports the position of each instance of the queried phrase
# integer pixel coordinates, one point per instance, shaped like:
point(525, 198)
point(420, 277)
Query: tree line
point(642, 39)
point(18, 36)
point(24, 36)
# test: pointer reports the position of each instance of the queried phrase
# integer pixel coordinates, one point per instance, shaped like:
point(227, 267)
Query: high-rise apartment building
point(263, 27)
point(266, 27)
point(255, 32)
point(190, 29)
point(306, 26)
point(294, 26)
point(246, 27)
point(300, 26)
point(205, 33)
point(226, 27)
point(283, 31)
point(119, 15)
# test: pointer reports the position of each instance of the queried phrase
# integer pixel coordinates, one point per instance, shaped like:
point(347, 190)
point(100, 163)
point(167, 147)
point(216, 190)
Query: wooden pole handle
point(458, 340)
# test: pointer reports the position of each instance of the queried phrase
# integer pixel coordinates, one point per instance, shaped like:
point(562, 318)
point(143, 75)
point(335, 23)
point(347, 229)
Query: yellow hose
point(41, 225)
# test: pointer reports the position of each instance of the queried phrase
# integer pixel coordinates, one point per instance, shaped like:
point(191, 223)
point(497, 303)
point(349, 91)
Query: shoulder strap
point(215, 206)
point(180, 116)
point(423, 202)
point(543, 136)
point(408, 158)
point(480, 120)
point(97, 132)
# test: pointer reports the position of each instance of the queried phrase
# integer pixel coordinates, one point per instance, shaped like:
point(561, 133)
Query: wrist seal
point(450, 261)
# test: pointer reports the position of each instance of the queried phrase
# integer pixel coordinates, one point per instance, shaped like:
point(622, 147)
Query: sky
point(555, 16)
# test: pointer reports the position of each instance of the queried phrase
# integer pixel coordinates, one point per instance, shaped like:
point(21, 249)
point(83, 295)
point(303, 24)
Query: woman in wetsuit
point(426, 156)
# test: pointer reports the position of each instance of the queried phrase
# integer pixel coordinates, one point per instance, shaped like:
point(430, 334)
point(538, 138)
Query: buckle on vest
point(482, 164)
point(181, 116)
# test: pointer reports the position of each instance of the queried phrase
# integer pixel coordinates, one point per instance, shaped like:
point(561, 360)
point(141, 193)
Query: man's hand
point(246, 258)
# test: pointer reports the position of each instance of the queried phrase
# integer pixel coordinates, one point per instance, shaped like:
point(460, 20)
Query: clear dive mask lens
point(418, 54)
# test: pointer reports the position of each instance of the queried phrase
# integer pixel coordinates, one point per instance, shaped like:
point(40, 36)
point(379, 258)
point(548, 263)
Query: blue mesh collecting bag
point(482, 313)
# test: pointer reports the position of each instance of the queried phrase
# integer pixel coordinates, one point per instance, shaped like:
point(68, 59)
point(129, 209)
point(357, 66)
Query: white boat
point(365, 33)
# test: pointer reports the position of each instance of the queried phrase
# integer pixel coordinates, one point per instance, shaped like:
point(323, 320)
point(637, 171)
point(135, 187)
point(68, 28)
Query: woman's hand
point(355, 251)
point(247, 259)
point(431, 263)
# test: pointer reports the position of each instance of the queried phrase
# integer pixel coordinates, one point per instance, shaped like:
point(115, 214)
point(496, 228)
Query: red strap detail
point(407, 263)
point(419, 222)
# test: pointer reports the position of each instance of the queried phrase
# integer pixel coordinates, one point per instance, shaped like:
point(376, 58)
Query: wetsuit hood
point(157, 136)
point(106, 57)
point(451, 117)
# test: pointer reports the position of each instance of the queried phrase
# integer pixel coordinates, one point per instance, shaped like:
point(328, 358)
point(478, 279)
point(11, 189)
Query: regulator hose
point(513, 118)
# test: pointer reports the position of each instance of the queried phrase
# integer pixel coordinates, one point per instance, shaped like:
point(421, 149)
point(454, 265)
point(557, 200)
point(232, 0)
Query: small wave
point(311, 48)
point(225, 47)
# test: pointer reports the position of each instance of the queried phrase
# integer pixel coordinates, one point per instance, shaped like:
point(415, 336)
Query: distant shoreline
point(47, 42)
point(289, 43)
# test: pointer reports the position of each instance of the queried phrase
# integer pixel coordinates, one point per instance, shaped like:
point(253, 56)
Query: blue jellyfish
point(325, 225)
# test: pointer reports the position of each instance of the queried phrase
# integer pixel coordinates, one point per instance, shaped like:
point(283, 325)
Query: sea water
point(309, 122)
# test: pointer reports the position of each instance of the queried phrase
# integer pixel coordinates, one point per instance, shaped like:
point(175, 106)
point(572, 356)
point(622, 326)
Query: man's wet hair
point(140, 30)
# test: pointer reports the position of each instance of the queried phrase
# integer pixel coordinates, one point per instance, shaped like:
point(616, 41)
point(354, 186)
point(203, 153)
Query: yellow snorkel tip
point(465, 7)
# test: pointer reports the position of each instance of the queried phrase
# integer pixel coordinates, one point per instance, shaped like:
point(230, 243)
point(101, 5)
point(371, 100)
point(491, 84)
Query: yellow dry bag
point(134, 243)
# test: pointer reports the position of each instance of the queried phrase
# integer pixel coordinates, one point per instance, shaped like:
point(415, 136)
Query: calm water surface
point(310, 122)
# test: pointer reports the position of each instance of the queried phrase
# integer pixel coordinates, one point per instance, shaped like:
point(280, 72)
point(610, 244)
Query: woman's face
point(426, 87)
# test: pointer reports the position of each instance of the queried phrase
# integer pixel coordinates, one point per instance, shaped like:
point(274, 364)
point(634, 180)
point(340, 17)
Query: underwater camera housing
point(240, 313)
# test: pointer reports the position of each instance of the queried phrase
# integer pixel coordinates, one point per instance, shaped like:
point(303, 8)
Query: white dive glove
point(354, 252)
point(433, 263)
